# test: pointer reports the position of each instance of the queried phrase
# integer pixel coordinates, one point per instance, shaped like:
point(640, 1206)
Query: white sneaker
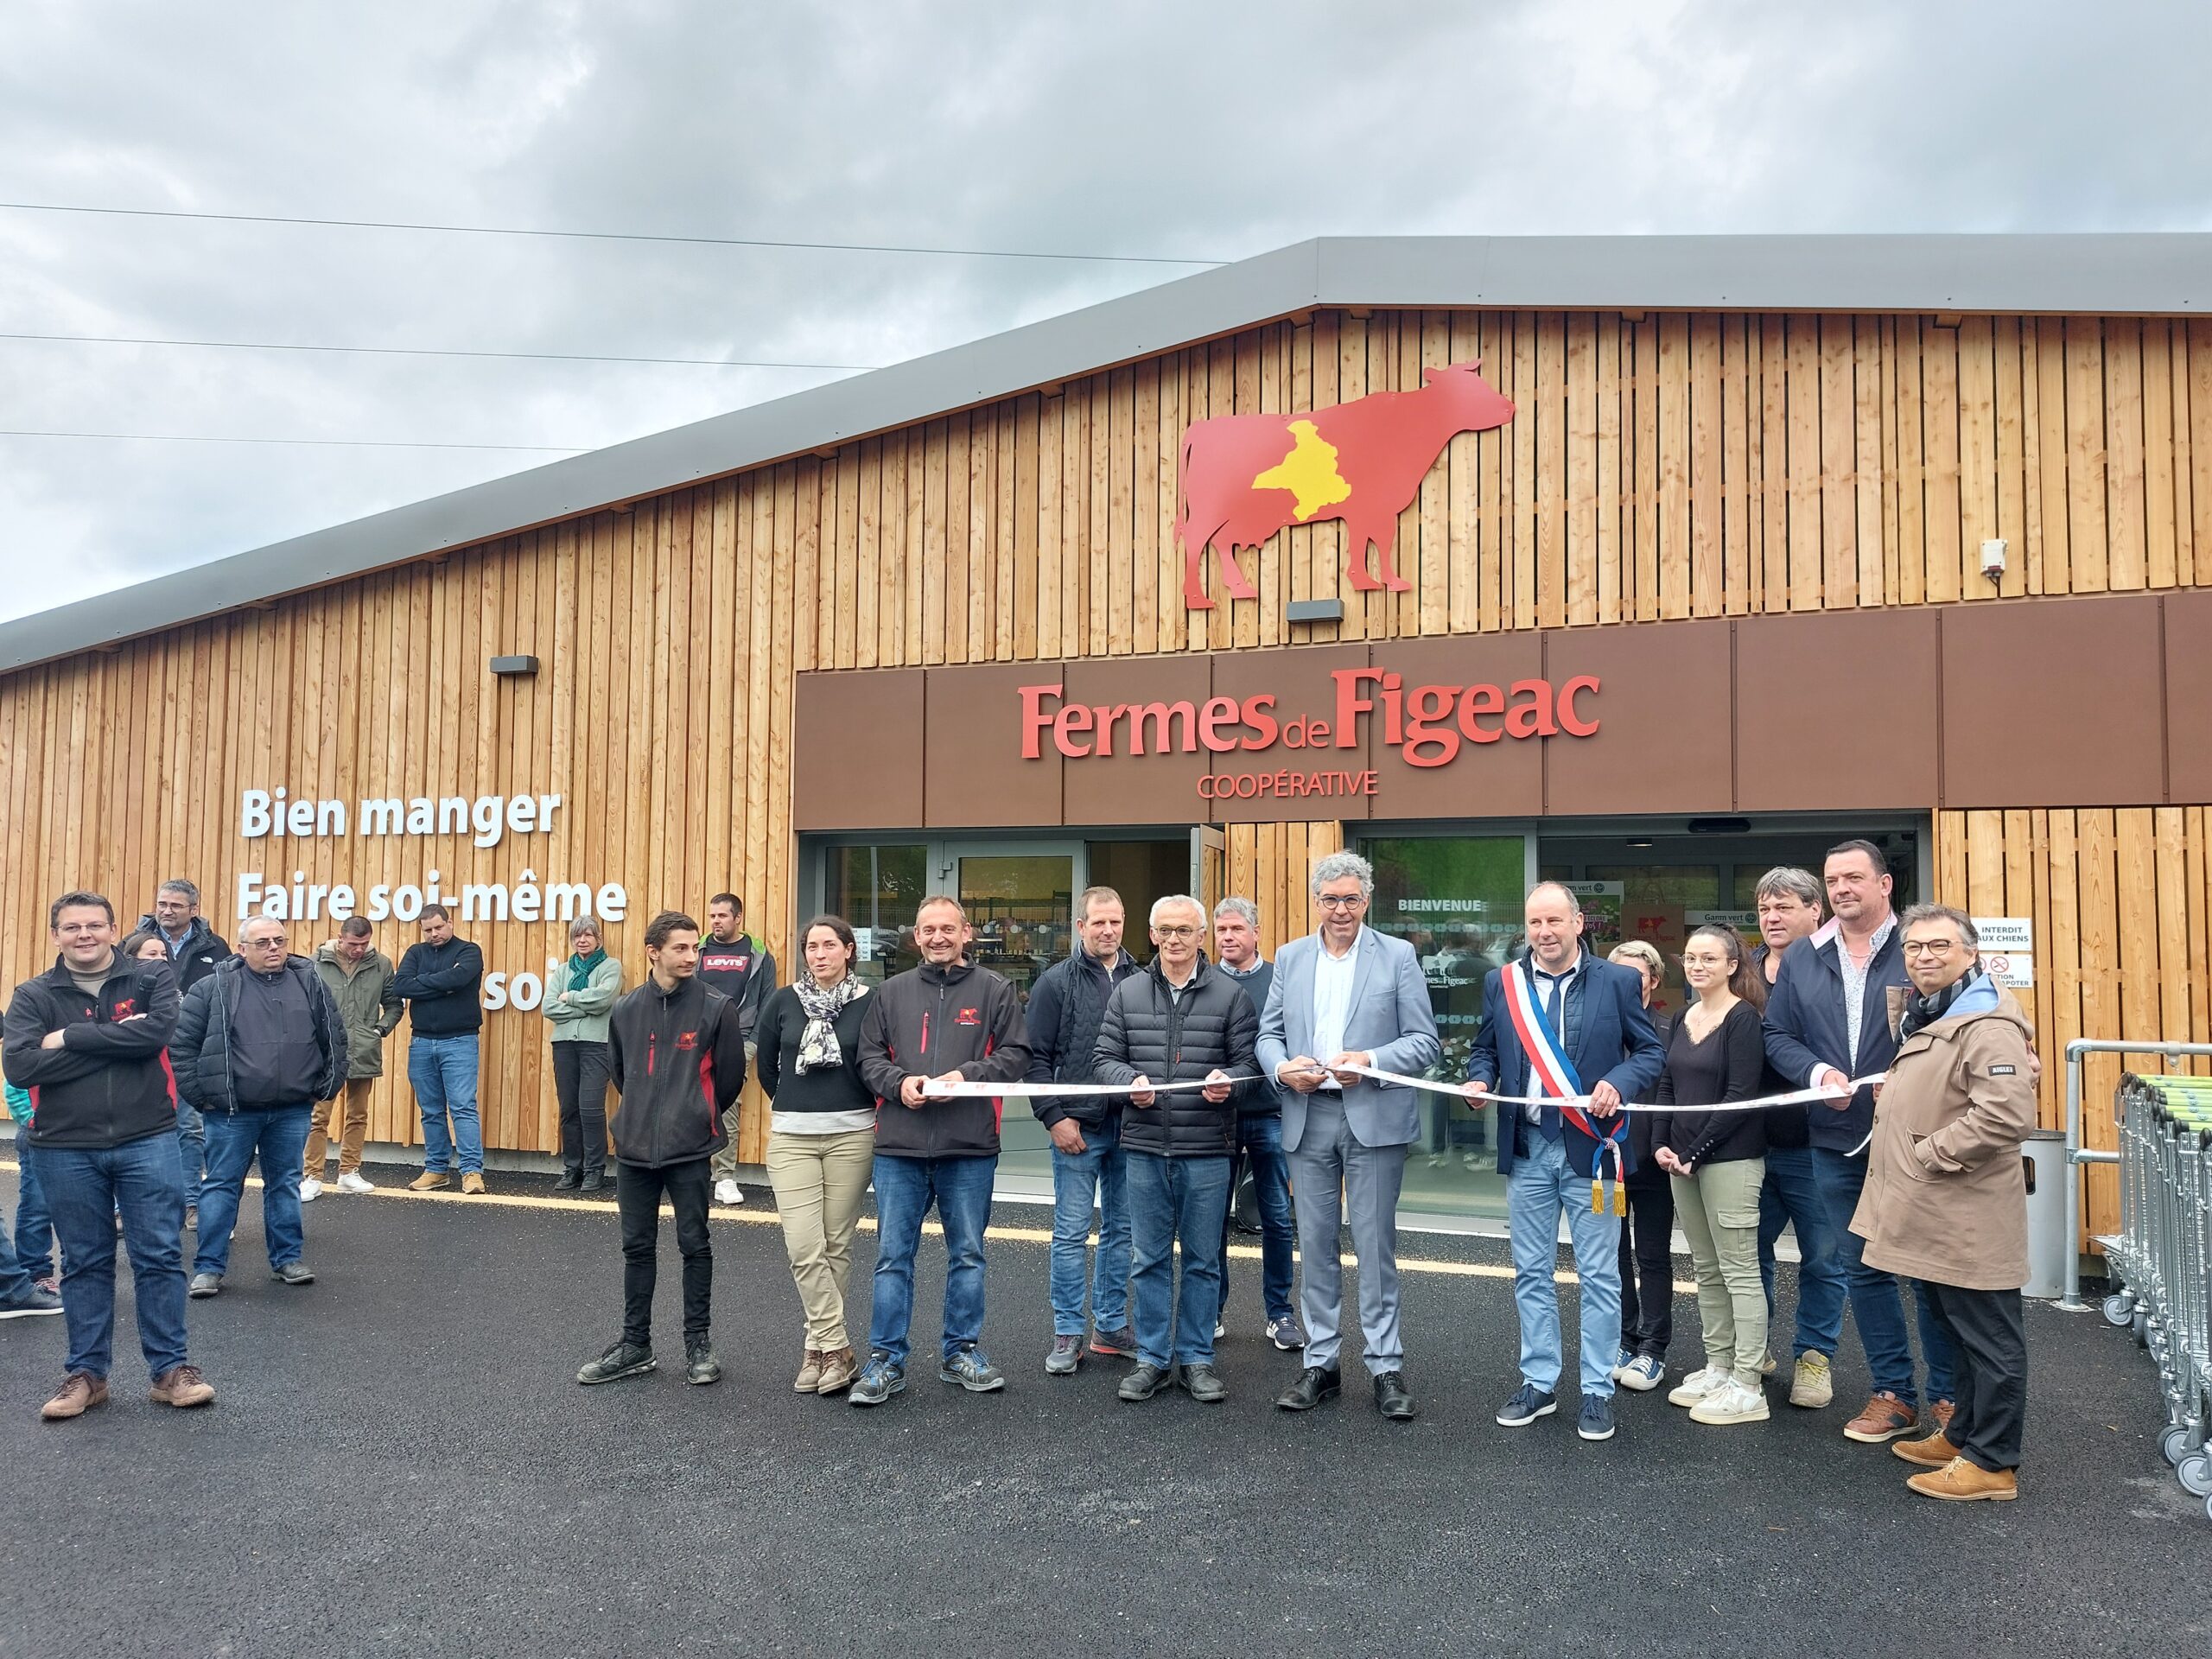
point(310, 1190)
point(726, 1191)
point(1219, 1330)
point(353, 1182)
point(1731, 1402)
point(1697, 1385)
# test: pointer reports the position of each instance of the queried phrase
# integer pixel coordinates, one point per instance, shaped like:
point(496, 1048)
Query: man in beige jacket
point(1946, 1198)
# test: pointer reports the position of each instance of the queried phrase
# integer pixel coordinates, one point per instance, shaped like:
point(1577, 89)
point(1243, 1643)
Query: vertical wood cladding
point(1669, 467)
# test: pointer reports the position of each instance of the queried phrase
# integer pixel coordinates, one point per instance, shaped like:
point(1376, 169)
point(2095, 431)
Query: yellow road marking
point(1017, 1234)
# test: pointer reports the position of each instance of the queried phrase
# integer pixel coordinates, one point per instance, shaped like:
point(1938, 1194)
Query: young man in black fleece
point(678, 1061)
point(945, 1021)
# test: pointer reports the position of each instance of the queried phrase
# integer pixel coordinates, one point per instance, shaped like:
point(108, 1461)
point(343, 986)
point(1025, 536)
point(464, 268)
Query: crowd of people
point(1855, 1076)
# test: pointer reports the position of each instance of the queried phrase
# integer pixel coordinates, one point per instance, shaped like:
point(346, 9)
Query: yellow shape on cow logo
point(1308, 472)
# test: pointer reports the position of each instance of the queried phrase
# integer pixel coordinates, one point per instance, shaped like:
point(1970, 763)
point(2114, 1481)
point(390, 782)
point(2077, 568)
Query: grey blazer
point(1390, 1018)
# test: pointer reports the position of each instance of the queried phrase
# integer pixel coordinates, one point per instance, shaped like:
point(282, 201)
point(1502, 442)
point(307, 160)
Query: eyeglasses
point(1929, 947)
point(1175, 933)
point(1340, 900)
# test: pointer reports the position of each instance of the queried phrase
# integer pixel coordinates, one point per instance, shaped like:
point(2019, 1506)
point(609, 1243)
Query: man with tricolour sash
point(1564, 1041)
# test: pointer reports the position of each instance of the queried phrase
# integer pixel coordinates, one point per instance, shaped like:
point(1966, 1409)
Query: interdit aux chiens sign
point(1428, 725)
point(1244, 477)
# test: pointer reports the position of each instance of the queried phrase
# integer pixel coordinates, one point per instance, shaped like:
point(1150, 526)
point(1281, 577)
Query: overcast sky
point(1211, 131)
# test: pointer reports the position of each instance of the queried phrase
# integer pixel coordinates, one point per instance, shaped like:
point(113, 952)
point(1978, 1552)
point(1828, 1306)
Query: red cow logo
point(687, 1039)
point(969, 1017)
point(125, 1007)
point(1247, 476)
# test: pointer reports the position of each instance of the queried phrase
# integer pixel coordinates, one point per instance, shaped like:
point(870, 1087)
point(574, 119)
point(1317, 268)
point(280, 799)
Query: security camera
point(1992, 559)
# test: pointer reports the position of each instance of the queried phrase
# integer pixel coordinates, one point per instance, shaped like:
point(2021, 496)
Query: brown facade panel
point(2053, 704)
point(974, 776)
point(1492, 776)
point(1663, 742)
point(1302, 682)
point(1837, 711)
point(2189, 698)
point(857, 756)
point(1139, 714)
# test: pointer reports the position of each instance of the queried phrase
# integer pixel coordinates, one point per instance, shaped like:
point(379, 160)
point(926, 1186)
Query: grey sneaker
point(293, 1273)
point(881, 1379)
point(1204, 1384)
point(623, 1359)
point(205, 1285)
point(700, 1365)
point(1118, 1344)
point(972, 1369)
point(1066, 1355)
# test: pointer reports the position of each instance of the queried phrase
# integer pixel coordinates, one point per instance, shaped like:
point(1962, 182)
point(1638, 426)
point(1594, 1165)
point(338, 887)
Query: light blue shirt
point(1333, 977)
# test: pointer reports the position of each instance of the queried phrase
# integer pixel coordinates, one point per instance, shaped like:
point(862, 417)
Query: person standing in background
point(359, 977)
point(733, 962)
point(1259, 1140)
point(194, 948)
point(1648, 1230)
point(591, 981)
point(441, 978)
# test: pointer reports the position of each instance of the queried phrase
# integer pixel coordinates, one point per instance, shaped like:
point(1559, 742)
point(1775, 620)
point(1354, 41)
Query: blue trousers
point(278, 1136)
point(1540, 1185)
point(1259, 1148)
point(1098, 1172)
point(1791, 1197)
point(443, 1070)
point(35, 1243)
point(86, 1188)
point(905, 1190)
point(1172, 1198)
point(1874, 1301)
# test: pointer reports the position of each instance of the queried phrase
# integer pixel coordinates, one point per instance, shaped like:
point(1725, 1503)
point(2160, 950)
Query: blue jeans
point(905, 1189)
point(1172, 1199)
point(191, 1149)
point(86, 1188)
point(1792, 1197)
point(1099, 1169)
point(1541, 1183)
point(279, 1135)
point(1874, 1293)
point(443, 1070)
point(13, 1282)
point(35, 1243)
point(1259, 1148)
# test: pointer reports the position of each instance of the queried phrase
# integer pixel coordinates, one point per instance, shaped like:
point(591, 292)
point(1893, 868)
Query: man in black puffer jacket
point(259, 1045)
point(1181, 1020)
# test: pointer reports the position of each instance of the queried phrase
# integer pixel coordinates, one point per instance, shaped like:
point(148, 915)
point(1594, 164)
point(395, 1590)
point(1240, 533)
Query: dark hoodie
point(925, 1022)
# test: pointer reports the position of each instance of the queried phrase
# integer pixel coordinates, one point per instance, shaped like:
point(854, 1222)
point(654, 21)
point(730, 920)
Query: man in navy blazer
point(1347, 996)
point(1593, 1012)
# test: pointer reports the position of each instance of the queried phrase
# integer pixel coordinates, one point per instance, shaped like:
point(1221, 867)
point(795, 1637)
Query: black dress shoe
point(590, 1183)
point(1391, 1397)
point(571, 1179)
point(1314, 1386)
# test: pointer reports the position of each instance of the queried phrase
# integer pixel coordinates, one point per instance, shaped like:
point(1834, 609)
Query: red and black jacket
point(679, 1059)
point(109, 1083)
point(930, 1020)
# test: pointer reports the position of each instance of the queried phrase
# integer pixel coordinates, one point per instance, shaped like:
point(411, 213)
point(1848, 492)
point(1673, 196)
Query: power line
point(333, 444)
point(426, 351)
point(601, 236)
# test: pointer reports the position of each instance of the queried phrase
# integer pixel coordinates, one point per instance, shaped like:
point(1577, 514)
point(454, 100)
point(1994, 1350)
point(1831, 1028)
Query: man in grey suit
point(1344, 996)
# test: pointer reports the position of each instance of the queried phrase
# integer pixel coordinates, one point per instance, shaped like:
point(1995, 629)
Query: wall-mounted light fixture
point(515, 667)
point(1314, 610)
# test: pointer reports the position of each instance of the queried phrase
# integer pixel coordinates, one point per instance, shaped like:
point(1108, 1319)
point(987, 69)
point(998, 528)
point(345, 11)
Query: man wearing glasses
point(1344, 996)
point(1827, 1022)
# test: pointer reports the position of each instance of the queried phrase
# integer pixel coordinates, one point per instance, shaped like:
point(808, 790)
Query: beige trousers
point(355, 1134)
point(820, 1180)
point(1718, 1207)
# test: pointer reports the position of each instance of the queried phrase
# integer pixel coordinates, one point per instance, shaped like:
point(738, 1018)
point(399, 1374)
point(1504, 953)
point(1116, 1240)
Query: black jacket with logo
point(679, 1059)
point(202, 952)
point(206, 1075)
point(925, 1022)
point(109, 1083)
point(1152, 1032)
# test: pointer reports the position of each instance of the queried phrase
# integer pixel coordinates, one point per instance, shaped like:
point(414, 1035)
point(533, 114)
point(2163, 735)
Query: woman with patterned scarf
point(820, 1139)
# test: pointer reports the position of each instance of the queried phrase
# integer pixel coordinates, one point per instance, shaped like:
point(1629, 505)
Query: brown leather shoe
point(79, 1393)
point(839, 1367)
point(1962, 1482)
point(1885, 1417)
point(181, 1386)
point(1931, 1453)
point(809, 1379)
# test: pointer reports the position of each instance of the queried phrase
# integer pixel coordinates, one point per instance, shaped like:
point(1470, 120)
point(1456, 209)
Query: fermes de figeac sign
point(1429, 725)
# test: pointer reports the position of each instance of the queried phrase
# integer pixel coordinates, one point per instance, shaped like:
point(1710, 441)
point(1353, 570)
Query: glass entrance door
point(1020, 900)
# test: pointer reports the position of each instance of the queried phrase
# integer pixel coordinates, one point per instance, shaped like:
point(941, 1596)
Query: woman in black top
point(821, 1138)
point(1648, 1230)
point(1717, 1054)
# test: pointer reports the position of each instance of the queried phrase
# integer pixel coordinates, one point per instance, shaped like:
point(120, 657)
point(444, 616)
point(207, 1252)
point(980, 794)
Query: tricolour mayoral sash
point(1555, 1075)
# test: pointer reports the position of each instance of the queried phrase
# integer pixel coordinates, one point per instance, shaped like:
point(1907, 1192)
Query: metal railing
point(2077, 1154)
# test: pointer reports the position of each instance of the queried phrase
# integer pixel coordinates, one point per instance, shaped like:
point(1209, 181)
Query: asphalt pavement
point(399, 1461)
